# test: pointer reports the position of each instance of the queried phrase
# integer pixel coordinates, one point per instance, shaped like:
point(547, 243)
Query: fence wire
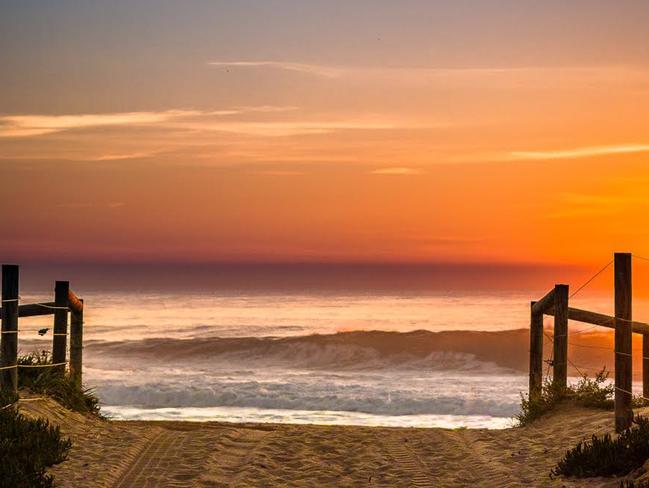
point(22, 400)
point(13, 366)
point(591, 279)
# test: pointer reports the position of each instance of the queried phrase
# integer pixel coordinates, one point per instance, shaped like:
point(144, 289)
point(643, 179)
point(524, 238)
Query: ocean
point(423, 358)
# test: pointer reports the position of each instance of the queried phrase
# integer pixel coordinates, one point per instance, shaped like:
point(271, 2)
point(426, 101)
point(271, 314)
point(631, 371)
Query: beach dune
point(205, 454)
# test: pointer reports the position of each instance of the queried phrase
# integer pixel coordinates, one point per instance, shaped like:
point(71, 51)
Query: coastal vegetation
point(594, 392)
point(48, 381)
point(27, 447)
point(608, 456)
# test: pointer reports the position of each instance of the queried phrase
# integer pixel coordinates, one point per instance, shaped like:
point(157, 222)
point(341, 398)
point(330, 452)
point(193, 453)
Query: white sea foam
point(386, 395)
point(257, 415)
point(412, 395)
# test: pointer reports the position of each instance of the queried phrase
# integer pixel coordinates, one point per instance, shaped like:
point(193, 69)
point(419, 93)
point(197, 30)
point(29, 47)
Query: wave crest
point(461, 350)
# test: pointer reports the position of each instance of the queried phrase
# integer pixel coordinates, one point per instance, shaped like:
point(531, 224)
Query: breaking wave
point(486, 352)
point(379, 373)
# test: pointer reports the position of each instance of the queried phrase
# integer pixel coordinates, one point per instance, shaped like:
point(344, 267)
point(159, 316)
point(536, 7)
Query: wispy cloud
point(33, 125)
point(329, 71)
point(291, 128)
point(191, 120)
point(79, 205)
point(397, 171)
point(305, 68)
point(265, 108)
point(280, 173)
point(426, 74)
point(580, 152)
point(122, 156)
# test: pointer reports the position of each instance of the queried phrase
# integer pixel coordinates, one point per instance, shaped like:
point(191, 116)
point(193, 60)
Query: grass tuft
point(60, 387)
point(592, 393)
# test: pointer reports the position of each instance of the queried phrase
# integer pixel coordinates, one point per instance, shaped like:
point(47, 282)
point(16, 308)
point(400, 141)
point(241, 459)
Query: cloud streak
point(303, 68)
point(398, 171)
point(291, 128)
point(35, 125)
point(580, 152)
point(427, 74)
point(17, 126)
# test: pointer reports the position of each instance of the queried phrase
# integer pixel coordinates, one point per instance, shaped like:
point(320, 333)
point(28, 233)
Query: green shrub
point(595, 393)
point(533, 408)
point(27, 376)
point(605, 456)
point(60, 387)
point(639, 402)
point(27, 448)
point(592, 393)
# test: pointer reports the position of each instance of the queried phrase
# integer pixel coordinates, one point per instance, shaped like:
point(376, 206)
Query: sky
point(465, 132)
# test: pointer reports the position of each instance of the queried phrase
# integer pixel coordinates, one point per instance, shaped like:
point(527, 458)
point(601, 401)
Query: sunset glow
point(322, 243)
point(515, 135)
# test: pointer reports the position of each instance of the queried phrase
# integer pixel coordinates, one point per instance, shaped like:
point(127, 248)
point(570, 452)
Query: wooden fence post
point(76, 345)
point(645, 365)
point(536, 354)
point(59, 343)
point(9, 346)
point(623, 342)
point(560, 366)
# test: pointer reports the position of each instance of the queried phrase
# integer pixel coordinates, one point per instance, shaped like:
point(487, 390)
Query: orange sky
point(503, 137)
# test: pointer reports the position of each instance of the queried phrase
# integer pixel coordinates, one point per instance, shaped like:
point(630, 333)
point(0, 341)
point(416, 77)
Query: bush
point(60, 387)
point(595, 393)
point(533, 408)
point(27, 448)
point(605, 456)
point(592, 393)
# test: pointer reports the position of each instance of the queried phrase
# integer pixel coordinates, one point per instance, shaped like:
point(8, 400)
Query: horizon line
point(298, 263)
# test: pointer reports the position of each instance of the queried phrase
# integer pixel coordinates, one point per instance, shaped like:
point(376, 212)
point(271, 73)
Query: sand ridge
point(115, 454)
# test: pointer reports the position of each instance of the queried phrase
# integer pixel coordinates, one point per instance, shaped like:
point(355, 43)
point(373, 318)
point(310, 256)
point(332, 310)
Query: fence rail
point(600, 319)
point(66, 307)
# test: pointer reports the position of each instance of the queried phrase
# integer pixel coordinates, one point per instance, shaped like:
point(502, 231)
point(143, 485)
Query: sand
point(116, 454)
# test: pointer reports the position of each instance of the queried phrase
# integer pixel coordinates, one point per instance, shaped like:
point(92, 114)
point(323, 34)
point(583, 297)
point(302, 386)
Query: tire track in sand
point(475, 465)
point(235, 457)
point(408, 460)
point(147, 460)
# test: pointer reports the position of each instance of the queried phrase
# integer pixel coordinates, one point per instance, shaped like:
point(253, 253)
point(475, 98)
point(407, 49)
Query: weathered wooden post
point(76, 343)
point(536, 353)
point(645, 365)
point(623, 343)
point(59, 342)
point(9, 346)
point(560, 366)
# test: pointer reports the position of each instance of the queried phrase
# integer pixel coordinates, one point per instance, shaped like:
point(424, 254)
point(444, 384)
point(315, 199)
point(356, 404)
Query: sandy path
point(202, 455)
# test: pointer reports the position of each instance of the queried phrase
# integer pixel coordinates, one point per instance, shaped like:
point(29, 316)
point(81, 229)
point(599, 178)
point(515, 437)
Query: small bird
point(42, 332)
